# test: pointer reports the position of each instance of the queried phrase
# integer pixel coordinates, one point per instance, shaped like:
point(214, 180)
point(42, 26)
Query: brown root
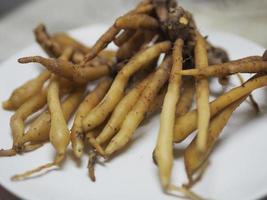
point(91, 165)
point(73, 72)
point(137, 21)
point(44, 39)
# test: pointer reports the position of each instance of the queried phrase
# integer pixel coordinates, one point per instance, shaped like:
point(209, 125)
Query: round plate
point(237, 167)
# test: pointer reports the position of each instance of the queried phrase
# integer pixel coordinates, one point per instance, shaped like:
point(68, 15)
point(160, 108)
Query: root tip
point(78, 154)
point(23, 60)
point(29, 59)
point(15, 178)
point(7, 152)
point(108, 152)
point(7, 105)
point(165, 182)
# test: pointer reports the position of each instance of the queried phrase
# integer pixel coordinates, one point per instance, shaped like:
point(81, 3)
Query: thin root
point(7, 152)
point(27, 174)
point(186, 192)
point(251, 98)
point(13, 152)
point(91, 165)
point(58, 160)
point(199, 175)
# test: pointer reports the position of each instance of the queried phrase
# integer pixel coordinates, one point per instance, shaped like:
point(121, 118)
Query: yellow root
point(251, 98)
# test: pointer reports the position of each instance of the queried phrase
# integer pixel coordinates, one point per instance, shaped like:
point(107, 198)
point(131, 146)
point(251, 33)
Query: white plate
point(238, 165)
